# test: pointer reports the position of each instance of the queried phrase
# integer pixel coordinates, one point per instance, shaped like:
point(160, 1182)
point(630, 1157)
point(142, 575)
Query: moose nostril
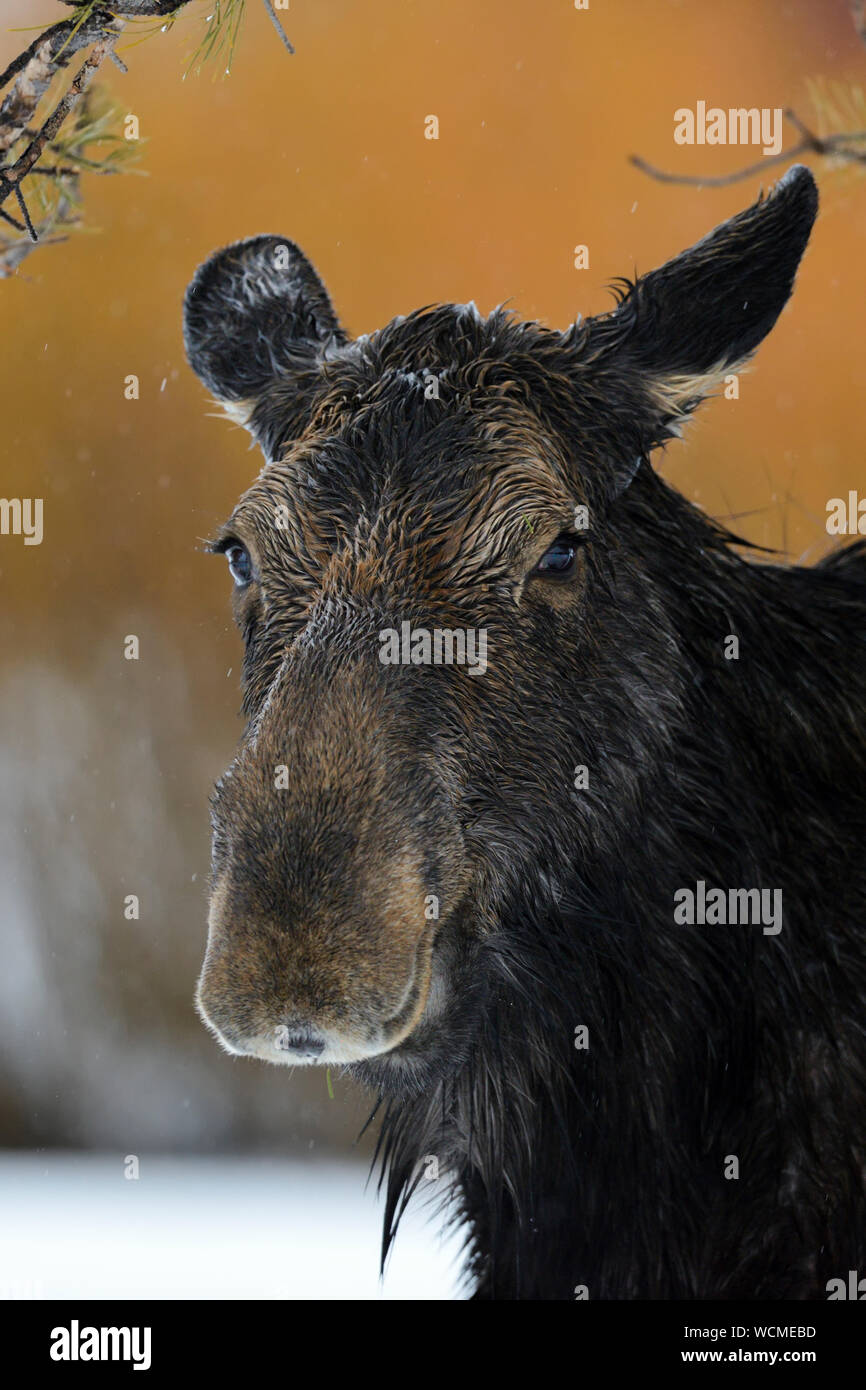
point(303, 1042)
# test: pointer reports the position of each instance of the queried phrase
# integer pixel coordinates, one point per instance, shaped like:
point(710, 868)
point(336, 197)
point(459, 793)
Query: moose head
point(395, 805)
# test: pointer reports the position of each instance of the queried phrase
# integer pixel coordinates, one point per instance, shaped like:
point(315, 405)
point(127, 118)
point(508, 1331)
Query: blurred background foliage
point(107, 763)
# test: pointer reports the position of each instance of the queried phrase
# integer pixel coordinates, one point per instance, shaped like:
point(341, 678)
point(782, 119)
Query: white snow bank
point(190, 1227)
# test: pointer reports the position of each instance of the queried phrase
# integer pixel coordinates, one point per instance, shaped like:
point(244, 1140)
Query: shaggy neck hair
point(599, 1166)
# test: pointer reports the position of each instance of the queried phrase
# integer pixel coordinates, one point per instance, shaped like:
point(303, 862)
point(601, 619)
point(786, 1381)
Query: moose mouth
point(442, 1035)
point(401, 1026)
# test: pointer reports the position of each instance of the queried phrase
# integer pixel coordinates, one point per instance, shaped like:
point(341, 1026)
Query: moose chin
point(462, 883)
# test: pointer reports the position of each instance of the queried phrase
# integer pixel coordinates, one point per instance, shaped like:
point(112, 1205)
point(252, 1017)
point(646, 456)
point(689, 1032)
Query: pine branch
point(95, 25)
point(11, 176)
point(138, 9)
point(35, 69)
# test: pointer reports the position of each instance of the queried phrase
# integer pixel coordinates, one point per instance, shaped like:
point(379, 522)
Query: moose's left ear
point(687, 324)
point(256, 313)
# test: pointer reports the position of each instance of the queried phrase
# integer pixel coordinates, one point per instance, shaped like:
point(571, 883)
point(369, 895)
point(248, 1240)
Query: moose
point(467, 887)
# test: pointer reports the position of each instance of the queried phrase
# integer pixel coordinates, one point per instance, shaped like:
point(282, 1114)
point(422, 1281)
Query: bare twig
point(712, 180)
point(13, 222)
point(54, 171)
point(24, 213)
point(277, 25)
point(834, 146)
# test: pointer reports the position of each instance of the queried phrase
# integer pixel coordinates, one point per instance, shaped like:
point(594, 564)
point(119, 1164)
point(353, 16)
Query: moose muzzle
point(336, 855)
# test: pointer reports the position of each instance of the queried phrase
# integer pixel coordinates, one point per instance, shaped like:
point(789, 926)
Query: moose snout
point(329, 992)
point(337, 858)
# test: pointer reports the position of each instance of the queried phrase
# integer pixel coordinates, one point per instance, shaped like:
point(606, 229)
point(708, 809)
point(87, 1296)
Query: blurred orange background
point(107, 763)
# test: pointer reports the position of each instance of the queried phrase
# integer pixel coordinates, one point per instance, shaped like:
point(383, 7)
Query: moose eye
point(558, 561)
point(240, 564)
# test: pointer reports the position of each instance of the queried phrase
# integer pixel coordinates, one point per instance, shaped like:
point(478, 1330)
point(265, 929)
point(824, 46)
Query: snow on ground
point(72, 1225)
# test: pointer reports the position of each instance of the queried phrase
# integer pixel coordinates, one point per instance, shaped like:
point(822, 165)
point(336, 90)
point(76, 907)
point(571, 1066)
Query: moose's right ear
point(255, 313)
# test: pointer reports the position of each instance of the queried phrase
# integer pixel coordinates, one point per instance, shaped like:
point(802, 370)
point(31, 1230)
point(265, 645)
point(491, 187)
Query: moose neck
point(614, 1046)
point(566, 1121)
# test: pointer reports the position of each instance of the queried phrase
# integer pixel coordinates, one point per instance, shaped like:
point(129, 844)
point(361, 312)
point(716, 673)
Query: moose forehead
point(453, 457)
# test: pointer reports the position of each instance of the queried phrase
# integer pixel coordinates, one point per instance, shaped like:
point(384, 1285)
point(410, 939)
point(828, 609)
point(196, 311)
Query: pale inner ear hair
point(677, 395)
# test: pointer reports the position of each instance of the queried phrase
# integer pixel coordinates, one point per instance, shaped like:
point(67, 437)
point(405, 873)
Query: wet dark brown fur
point(602, 1167)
